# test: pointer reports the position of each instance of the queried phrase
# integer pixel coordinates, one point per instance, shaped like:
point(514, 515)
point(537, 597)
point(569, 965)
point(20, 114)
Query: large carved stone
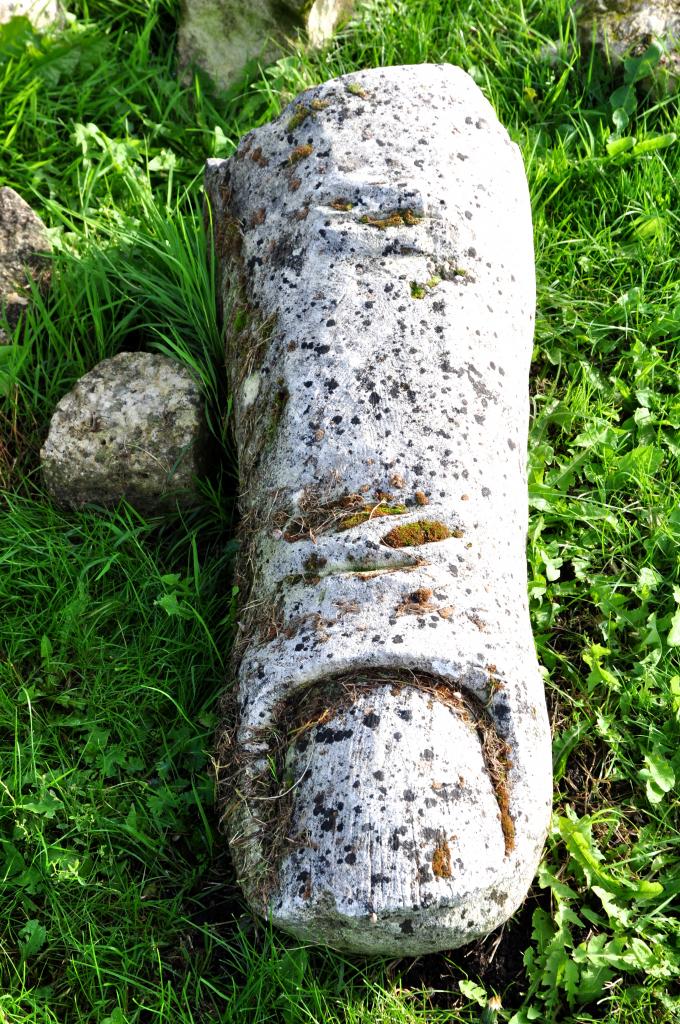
point(385, 769)
point(133, 427)
point(23, 244)
point(222, 35)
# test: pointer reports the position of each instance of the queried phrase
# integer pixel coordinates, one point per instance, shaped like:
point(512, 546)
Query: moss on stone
point(299, 117)
point(392, 219)
point(371, 512)
point(424, 531)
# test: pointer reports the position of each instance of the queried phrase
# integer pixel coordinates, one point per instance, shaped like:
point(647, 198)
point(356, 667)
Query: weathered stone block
point(620, 28)
point(386, 778)
point(23, 244)
point(222, 35)
point(133, 427)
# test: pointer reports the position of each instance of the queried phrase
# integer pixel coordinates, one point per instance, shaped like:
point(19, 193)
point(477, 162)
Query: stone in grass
point(222, 35)
point(623, 28)
point(388, 779)
point(133, 428)
point(42, 13)
point(23, 245)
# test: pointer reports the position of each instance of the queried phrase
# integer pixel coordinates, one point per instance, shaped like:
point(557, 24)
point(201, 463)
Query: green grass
point(118, 903)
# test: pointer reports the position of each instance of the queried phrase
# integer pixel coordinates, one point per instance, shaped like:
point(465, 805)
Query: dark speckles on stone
point(332, 384)
point(405, 714)
point(371, 720)
point(409, 796)
point(379, 776)
point(351, 858)
point(328, 735)
point(397, 639)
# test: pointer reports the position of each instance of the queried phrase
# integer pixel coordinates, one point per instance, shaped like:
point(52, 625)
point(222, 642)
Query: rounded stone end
point(402, 837)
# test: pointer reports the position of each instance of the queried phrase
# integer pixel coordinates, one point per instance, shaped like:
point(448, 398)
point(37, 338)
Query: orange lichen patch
point(341, 204)
point(397, 480)
point(424, 531)
point(258, 217)
point(507, 824)
point(441, 860)
point(300, 153)
point(258, 158)
point(302, 213)
point(421, 498)
point(416, 603)
point(393, 219)
point(294, 184)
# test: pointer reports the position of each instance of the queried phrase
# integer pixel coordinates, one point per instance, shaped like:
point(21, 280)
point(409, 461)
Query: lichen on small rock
point(23, 249)
point(133, 428)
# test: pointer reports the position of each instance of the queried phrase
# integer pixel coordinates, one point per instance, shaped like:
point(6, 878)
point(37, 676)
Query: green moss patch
point(424, 531)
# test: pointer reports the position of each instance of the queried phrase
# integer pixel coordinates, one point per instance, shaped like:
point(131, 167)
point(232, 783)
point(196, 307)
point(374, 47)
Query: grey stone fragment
point(621, 28)
point(222, 35)
point(23, 244)
point(391, 779)
point(133, 427)
point(42, 13)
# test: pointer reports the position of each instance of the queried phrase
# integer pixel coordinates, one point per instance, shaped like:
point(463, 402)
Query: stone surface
point(42, 13)
point(23, 244)
point(624, 27)
point(386, 765)
point(133, 427)
point(222, 35)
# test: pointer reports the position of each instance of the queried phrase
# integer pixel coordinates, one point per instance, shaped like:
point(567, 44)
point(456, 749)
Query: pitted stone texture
point(23, 244)
point(376, 259)
point(621, 28)
point(42, 13)
point(222, 35)
point(133, 427)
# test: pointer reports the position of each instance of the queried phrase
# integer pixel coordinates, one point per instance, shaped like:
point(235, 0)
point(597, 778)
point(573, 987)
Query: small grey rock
point(23, 244)
point(222, 35)
point(42, 13)
point(133, 427)
point(620, 28)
